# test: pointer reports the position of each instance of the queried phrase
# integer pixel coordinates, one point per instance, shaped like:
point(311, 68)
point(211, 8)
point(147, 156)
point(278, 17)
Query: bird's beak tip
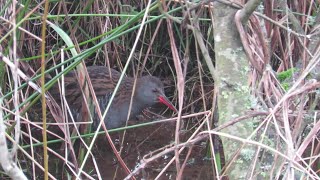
point(164, 100)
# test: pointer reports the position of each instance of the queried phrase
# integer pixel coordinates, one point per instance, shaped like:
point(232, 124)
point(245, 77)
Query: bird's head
point(150, 91)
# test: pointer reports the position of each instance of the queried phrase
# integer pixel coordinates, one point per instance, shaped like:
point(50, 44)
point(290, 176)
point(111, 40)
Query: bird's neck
point(137, 106)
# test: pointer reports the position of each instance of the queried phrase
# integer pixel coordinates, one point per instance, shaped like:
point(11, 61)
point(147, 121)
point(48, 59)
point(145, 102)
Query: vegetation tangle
point(238, 83)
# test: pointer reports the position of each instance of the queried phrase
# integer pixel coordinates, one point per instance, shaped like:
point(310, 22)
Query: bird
point(149, 91)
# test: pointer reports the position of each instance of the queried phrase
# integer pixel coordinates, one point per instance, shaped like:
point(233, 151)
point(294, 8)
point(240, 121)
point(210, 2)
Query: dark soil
point(141, 141)
point(138, 142)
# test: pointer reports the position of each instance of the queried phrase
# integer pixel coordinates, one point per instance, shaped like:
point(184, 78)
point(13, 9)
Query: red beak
point(164, 100)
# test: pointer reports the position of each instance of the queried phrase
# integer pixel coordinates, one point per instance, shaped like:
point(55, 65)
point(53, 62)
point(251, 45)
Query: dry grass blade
point(277, 56)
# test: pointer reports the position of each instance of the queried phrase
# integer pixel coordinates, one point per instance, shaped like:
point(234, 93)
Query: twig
point(7, 163)
point(20, 73)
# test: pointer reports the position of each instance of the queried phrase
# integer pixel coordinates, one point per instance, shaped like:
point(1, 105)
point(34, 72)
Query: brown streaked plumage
point(149, 91)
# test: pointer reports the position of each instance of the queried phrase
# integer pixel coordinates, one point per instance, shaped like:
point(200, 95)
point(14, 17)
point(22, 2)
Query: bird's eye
point(154, 90)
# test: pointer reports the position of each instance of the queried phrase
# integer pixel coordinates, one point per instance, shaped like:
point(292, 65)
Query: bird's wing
point(102, 83)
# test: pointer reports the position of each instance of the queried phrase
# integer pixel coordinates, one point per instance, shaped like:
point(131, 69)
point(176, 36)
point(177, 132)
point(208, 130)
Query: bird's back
point(103, 82)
